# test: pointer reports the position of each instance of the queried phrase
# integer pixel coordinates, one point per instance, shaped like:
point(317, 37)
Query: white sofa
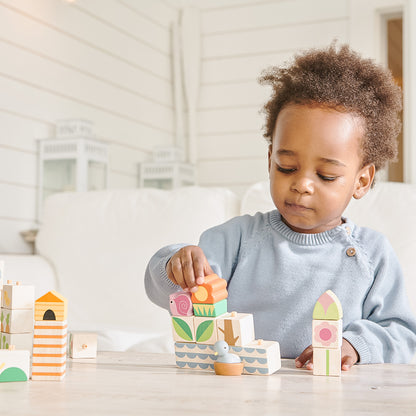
point(94, 247)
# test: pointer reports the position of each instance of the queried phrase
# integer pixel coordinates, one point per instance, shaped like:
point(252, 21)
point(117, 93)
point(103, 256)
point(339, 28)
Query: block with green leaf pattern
point(206, 330)
point(183, 328)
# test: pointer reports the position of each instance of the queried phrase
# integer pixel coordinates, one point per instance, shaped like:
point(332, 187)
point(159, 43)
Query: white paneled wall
point(239, 40)
point(107, 61)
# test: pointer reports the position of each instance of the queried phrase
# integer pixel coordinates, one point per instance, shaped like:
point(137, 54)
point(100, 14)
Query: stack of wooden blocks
point(201, 319)
point(327, 335)
point(16, 329)
point(17, 316)
point(50, 336)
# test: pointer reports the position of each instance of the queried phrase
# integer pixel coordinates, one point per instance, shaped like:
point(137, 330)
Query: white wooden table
point(150, 384)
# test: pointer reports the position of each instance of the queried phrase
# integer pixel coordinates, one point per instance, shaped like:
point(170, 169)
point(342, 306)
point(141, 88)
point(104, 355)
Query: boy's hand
point(349, 357)
point(188, 267)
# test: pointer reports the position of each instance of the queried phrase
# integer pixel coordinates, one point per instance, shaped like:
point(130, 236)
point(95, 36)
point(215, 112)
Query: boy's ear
point(364, 180)
point(269, 156)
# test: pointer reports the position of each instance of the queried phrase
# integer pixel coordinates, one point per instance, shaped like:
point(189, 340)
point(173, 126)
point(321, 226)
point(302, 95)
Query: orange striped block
point(48, 373)
point(49, 350)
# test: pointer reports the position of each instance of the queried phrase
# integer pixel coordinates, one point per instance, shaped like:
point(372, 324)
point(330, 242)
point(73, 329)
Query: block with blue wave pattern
point(260, 357)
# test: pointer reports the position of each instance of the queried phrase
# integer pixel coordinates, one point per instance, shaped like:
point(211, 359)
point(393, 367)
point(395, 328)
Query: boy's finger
point(347, 362)
point(188, 269)
point(174, 270)
point(199, 262)
point(303, 358)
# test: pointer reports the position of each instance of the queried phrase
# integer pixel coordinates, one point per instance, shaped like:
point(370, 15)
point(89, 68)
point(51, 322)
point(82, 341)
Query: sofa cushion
point(389, 208)
point(100, 244)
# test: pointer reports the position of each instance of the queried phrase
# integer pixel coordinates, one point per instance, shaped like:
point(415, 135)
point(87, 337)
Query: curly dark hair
point(341, 79)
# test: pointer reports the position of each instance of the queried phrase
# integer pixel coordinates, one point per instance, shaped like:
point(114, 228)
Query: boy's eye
point(327, 178)
point(284, 170)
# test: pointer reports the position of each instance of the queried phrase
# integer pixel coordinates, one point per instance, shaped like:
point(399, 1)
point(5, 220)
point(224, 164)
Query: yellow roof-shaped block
point(52, 296)
point(52, 306)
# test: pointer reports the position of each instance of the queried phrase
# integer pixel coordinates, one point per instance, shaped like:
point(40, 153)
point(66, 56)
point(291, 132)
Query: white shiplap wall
point(107, 61)
point(239, 40)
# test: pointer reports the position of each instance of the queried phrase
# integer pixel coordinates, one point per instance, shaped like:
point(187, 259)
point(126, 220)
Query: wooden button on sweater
point(351, 252)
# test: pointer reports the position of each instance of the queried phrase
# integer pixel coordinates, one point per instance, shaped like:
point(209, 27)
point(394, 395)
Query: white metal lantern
point(167, 170)
point(75, 164)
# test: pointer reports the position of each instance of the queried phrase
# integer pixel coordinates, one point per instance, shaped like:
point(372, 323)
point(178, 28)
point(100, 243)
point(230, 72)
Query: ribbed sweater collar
point(308, 239)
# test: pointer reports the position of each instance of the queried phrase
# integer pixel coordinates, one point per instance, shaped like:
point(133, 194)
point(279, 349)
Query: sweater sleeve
point(156, 282)
point(220, 245)
point(387, 330)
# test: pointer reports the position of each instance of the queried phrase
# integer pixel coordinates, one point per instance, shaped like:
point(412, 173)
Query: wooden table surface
point(151, 384)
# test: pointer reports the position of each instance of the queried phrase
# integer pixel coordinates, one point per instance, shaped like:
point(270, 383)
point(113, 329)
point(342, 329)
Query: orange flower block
point(213, 290)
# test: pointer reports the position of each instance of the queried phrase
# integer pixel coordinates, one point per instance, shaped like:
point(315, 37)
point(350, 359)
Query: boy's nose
point(302, 185)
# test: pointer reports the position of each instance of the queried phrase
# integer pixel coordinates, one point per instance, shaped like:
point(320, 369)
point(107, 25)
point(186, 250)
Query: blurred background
point(135, 88)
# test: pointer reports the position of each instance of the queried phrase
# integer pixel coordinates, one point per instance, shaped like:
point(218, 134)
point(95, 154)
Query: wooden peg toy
point(227, 364)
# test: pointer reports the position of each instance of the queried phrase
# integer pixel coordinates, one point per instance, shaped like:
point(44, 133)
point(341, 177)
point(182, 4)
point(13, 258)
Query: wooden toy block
point(326, 334)
point(82, 345)
point(1, 274)
point(327, 362)
point(14, 365)
point(51, 359)
point(52, 306)
point(51, 327)
point(236, 329)
point(17, 296)
point(183, 328)
point(50, 343)
point(206, 329)
point(210, 310)
point(259, 357)
point(180, 304)
point(195, 356)
point(20, 341)
point(49, 339)
point(327, 307)
point(49, 350)
point(52, 350)
point(211, 291)
point(50, 334)
point(16, 320)
point(42, 371)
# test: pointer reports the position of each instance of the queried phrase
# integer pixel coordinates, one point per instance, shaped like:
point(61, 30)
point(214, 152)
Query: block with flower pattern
point(326, 333)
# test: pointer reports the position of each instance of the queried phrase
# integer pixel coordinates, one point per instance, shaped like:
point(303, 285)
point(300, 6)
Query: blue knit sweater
point(277, 275)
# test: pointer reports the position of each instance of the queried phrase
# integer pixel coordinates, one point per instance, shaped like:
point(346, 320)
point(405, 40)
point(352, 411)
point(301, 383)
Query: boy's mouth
point(297, 207)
